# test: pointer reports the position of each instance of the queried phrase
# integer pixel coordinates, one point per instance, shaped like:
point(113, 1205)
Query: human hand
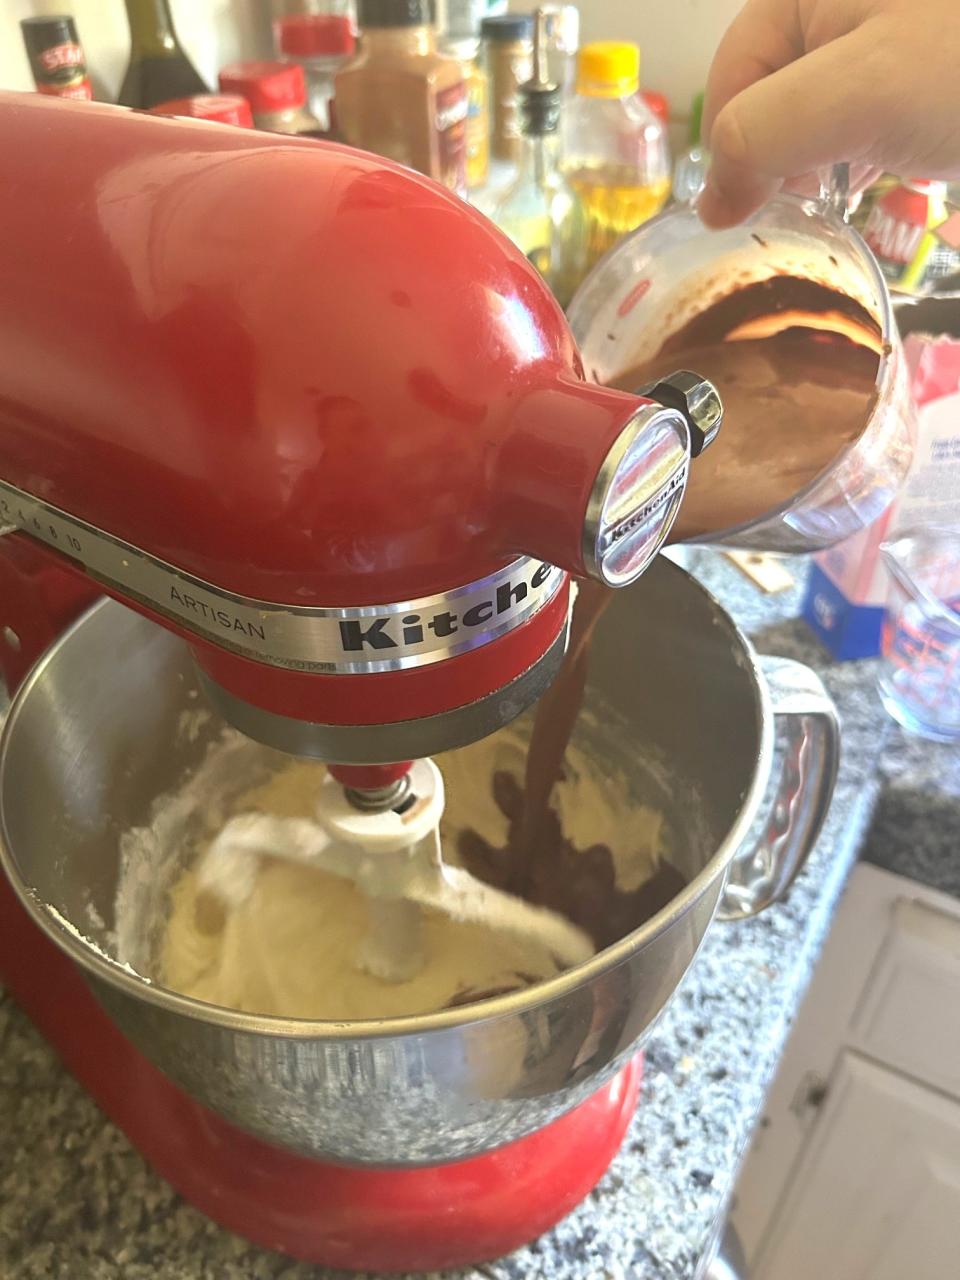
point(799, 85)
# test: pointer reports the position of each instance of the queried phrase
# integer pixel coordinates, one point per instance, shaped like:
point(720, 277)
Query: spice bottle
point(322, 43)
point(159, 69)
point(297, 8)
point(508, 52)
point(462, 42)
point(615, 150)
point(224, 108)
point(466, 51)
point(277, 93)
point(539, 210)
point(402, 99)
point(56, 58)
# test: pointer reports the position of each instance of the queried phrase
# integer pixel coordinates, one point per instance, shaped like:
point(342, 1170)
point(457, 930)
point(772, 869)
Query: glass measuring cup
point(920, 678)
point(671, 269)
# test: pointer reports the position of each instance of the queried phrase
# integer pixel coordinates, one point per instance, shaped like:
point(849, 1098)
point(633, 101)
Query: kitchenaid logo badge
point(502, 605)
point(643, 514)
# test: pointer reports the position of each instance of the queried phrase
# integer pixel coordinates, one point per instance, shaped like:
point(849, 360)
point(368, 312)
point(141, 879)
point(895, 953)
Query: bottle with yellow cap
point(616, 155)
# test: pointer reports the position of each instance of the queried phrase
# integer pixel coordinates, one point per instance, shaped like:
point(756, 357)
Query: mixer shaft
point(393, 855)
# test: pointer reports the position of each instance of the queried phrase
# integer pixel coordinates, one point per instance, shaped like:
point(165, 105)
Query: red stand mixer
point(316, 417)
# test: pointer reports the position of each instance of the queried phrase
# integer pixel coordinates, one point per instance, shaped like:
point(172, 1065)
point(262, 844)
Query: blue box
point(847, 629)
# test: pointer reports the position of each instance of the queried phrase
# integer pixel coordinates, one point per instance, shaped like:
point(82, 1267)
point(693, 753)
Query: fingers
point(764, 37)
point(733, 189)
point(805, 116)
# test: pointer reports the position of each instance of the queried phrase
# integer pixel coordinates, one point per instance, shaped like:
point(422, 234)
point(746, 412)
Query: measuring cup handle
point(809, 729)
point(835, 189)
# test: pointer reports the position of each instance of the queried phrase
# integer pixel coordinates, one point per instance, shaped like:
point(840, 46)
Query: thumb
point(818, 110)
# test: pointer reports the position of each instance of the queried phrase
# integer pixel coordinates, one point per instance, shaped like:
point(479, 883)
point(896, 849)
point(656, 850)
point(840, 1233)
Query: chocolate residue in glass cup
point(796, 364)
point(579, 883)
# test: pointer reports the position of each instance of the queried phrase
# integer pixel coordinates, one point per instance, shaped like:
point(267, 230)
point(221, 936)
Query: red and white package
point(847, 593)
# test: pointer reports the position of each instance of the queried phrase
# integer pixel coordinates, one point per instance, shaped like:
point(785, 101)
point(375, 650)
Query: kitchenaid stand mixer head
point(319, 418)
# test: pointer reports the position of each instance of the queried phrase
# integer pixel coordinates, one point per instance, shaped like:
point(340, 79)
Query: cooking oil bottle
point(539, 211)
point(616, 155)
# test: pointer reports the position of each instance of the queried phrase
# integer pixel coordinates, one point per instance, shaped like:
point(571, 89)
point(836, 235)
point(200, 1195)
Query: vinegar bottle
point(539, 210)
point(158, 69)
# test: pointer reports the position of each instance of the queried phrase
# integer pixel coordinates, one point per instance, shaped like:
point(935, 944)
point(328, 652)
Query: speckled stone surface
point(916, 829)
point(77, 1201)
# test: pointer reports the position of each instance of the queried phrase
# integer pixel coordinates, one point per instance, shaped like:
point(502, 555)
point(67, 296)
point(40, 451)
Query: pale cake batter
point(289, 948)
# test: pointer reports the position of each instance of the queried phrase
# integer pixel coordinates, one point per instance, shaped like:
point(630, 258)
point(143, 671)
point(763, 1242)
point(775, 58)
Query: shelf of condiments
point(557, 143)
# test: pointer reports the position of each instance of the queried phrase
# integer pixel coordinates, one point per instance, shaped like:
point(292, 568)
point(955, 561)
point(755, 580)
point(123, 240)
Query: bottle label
point(451, 126)
point(477, 132)
point(508, 108)
point(899, 231)
point(61, 71)
point(81, 89)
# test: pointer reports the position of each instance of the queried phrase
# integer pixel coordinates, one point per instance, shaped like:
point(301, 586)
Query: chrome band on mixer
point(327, 641)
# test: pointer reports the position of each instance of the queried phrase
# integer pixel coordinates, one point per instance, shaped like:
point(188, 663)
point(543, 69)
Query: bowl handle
point(808, 747)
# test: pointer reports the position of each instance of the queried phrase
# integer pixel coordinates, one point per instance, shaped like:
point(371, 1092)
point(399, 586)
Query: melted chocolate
point(771, 297)
point(578, 883)
point(556, 716)
point(792, 401)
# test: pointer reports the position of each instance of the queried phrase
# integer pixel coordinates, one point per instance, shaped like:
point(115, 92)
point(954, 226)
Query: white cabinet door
point(887, 989)
point(876, 1194)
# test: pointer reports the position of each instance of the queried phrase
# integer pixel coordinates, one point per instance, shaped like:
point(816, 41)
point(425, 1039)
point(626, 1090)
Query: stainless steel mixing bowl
point(96, 734)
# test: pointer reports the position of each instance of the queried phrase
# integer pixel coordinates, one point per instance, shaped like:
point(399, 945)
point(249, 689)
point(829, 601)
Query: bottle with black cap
point(508, 53)
point(56, 57)
point(539, 211)
point(402, 99)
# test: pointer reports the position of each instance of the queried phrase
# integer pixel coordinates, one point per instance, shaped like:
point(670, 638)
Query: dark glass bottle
point(159, 69)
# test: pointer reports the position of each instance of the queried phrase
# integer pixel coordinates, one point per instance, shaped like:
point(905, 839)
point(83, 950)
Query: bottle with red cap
point(321, 43)
point(277, 94)
point(223, 108)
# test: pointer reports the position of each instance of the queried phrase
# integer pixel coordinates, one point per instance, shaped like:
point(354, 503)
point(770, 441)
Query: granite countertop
point(77, 1201)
